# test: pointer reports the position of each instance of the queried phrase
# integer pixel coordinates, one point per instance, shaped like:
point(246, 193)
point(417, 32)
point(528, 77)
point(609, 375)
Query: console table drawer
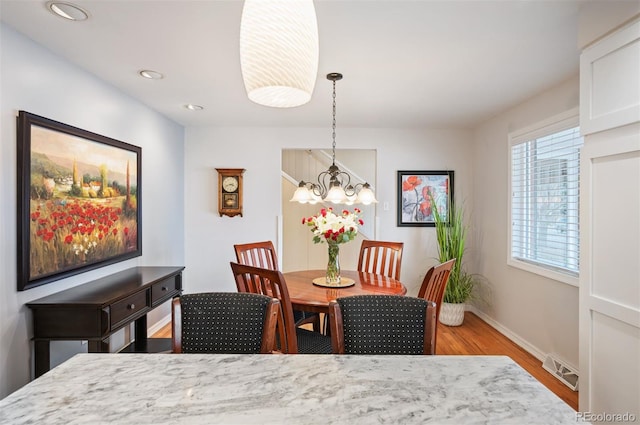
point(128, 307)
point(164, 289)
point(69, 322)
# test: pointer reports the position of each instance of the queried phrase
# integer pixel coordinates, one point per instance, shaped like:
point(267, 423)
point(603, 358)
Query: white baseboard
point(524, 344)
point(159, 325)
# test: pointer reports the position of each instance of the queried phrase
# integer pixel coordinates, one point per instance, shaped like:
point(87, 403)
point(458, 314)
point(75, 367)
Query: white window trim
point(556, 123)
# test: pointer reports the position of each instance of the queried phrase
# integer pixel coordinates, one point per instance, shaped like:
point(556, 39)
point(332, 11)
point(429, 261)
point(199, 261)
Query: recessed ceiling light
point(152, 75)
point(67, 11)
point(192, 107)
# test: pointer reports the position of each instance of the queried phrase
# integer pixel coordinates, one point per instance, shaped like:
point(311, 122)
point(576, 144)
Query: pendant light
point(334, 185)
point(279, 51)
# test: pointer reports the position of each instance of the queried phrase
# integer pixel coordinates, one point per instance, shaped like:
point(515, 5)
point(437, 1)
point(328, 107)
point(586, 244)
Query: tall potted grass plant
point(451, 233)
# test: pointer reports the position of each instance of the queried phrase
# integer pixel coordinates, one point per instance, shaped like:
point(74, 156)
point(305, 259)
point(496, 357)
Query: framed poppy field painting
point(78, 200)
point(419, 192)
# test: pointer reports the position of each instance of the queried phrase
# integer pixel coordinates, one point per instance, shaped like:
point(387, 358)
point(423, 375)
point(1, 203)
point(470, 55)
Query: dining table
point(194, 389)
point(307, 296)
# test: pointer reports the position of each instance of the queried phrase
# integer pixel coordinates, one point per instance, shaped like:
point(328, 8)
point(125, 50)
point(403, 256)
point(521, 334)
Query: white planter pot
point(452, 314)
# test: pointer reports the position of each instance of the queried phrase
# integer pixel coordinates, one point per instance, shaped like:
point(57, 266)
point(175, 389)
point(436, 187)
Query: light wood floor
point(477, 337)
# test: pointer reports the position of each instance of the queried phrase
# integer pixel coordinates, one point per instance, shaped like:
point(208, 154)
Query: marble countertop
point(284, 389)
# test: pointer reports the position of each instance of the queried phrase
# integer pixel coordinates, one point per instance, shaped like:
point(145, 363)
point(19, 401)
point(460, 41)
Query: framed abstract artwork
point(415, 206)
point(78, 200)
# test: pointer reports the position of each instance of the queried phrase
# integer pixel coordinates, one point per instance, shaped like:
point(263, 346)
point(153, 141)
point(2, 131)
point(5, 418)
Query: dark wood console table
point(95, 310)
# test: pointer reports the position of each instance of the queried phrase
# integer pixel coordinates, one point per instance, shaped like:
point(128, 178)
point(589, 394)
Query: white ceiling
point(426, 63)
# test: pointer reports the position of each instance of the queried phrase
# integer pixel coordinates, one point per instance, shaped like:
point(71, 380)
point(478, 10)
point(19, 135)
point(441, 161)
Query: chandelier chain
point(333, 126)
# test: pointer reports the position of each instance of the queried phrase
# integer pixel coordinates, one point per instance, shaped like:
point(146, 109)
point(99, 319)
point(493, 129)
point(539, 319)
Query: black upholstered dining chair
point(263, 254)
point(224, 322)
point(382, 324)
point(290, 338)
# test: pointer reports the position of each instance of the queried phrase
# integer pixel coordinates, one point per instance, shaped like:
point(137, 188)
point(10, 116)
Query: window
point(545, 199)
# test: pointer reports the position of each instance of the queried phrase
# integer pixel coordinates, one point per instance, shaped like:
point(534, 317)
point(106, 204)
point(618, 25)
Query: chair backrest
point(382, 324)
point(381, 258)
point(434, 286)
point(224, 322)
point(257, 280)
point(435, 282)
point(257, 254)
point(263, 255)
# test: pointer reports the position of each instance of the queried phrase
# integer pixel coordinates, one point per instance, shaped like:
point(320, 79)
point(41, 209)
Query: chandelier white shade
point(279, 51)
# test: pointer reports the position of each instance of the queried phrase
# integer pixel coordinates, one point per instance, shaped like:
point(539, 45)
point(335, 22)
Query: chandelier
point(334, 185)
point(279, 51)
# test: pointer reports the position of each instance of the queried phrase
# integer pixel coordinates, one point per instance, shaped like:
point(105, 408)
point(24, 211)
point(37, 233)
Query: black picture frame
point(79, 200)
point(414, 205)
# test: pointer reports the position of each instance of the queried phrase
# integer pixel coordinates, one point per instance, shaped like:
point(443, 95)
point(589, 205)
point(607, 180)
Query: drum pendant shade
point(279, 51)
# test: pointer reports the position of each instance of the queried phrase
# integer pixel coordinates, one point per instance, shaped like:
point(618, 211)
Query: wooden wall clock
point(230, 191)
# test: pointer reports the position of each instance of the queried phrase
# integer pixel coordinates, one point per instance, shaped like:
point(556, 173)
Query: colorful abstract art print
point(419, 192)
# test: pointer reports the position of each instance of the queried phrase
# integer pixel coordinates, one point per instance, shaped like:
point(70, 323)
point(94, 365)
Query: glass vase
point(333, 265)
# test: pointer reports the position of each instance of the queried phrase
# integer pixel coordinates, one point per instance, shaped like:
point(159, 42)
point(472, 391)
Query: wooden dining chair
point(263, 255)
point(381, 257)
point(291, 338)
point(257, 254)
point(435, 282)
point(382, 324)
point(224, 322)
point(434, 286)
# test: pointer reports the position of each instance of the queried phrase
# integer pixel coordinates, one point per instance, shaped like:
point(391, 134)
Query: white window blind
point(545, 198)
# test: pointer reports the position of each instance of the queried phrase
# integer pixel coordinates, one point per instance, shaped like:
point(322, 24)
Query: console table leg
point(98, 346)
point(42, 358)
point(140, 334)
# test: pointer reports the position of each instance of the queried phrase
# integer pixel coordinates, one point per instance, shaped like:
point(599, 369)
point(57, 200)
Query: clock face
point(230, 184)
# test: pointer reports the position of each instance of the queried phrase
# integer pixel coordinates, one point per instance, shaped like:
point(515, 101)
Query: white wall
point(33, 79)
point(538, 312)
point(210, 238)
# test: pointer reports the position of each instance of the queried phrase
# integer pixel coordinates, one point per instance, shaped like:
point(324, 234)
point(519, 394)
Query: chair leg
point(326, 329)
point(316, 323)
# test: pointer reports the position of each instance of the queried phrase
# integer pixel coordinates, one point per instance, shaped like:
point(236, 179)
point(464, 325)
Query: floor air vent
point(560, 370)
